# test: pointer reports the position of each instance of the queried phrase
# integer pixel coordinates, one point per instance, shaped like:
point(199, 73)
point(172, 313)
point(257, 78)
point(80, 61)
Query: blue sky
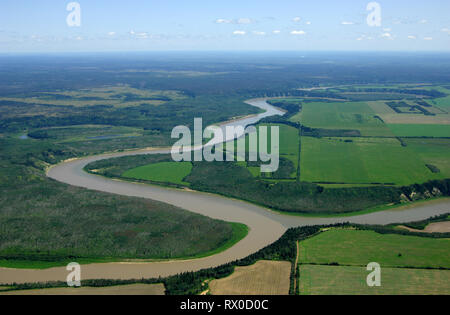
point(147, 25)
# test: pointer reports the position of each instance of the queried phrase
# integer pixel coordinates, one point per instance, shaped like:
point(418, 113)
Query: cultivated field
point(362, 161)
point(358, 248)
point(262, 278)
point(132, 289)
point(345, 280)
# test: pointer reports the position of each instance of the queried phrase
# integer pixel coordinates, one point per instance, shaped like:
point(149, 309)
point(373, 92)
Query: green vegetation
point(172, 172)
point(363, 161)
point(45, 223)
point(346, 280)
point(343, 115)
point(320, 279)
point(358, 248)
point(421, 130)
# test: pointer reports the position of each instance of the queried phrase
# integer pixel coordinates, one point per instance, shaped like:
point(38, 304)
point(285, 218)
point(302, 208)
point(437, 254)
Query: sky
point(231, 25)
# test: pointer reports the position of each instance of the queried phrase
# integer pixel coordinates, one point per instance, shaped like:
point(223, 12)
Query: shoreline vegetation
point(64, 117)
point(285, 249)
point(239, 232)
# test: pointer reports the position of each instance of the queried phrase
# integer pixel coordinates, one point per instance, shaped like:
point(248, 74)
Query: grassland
point(358, 248)
point(262, 278)
point(116, 96)
point(342, 115)
point(421, 130)
point(334, 262)
point(346, 280)
point(172, 172)
point(364, 161)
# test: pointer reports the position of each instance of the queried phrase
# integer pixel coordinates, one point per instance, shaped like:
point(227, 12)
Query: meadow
point(345, 280)
point(358, 248)
point(163, 172)
point(365, 161)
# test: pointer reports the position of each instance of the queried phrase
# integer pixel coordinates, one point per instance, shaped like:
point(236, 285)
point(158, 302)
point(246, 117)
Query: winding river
point(265, 226)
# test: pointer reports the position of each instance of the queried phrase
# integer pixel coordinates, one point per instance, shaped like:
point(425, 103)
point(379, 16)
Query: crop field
point(421, 130)
point(262, 278)
point(164, 172)
point(361, 161)
point(358, 248)
point(117, 96)
point(132, 289)
point(432, 151)
point(343, 115)
point(345, 280)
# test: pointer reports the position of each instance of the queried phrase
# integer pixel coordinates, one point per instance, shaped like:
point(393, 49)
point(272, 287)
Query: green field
point(433, 151)
point(358, 248)
point(362, 161)
point(164, 172)
point(343, 115)
point(418, 130)
point(345, 280)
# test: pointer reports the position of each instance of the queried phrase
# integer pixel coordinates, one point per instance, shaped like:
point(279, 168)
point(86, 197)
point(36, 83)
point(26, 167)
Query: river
point(265, 226)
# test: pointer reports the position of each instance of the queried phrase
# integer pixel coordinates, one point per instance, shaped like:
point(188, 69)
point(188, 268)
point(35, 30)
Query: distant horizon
point(201, 25)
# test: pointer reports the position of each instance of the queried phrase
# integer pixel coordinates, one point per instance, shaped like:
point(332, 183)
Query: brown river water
point(265, 226)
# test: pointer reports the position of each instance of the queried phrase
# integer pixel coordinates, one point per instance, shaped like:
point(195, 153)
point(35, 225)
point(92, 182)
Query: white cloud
point(428, 38)
point(244, 21)
point(423, 21)
point(387, 29)
point(412, 37)
point(297, 19)
point(387, 35)
point(259, 33)
point(446, 30)
point(276, 32)
point(112, 33)
point(298, 33)
point(239, 32)
point(223, 21)
point(308, 23)
point(347, 23)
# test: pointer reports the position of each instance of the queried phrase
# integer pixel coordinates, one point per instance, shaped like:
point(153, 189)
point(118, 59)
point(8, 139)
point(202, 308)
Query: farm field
point(358, 248)
point(132, 289)
point(432, 151)
point(342, 115)
point(171, 172)
point(262, 278)
point(345, 280)
point(421, 130)
point(362, 161)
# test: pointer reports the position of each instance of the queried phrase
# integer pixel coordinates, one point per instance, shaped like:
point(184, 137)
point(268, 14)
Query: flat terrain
point(343, 115)
point(345, 280)
point(171, 172)
point(262, 278)
point(358, 248)
point(366, 161)
point(132, 289)
point(117, 96)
